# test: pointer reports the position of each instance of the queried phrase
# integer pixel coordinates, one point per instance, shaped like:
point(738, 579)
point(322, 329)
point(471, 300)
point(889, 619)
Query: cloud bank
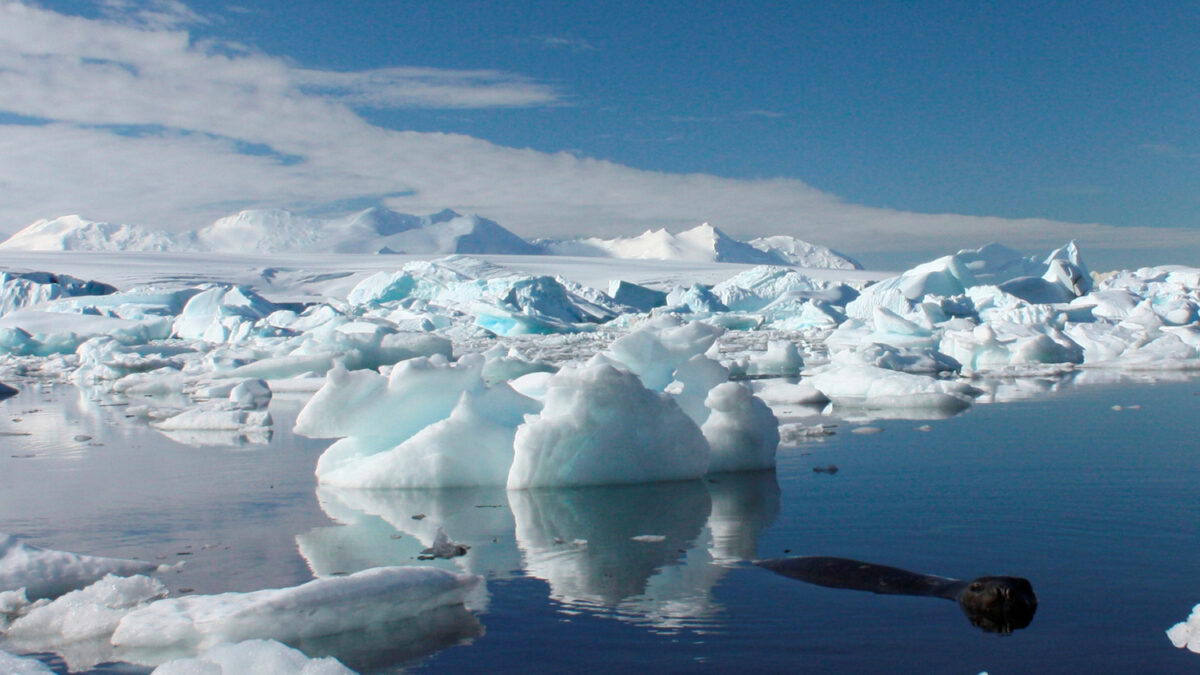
point(126, 118)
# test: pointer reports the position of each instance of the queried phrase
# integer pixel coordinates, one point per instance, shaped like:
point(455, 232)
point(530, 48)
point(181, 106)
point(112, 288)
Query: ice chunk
point(742, 432)
point(85, 614)
point(909, 360)
point(319, 607)
point(6, 391)
point(444, 548)
point(222, 313)
point(997, 344)
point(266, 657)
point(601, 426)
point(639, 297)
point(781, 359)
point(1186, 634)
point(757, 287)
point(696, 298)
point(871, 387)
point(781, 392)
point(661, 345)
point(45, 573)
point(693, 380)
point(25, 289)
point(251, 395)
point(472, 446)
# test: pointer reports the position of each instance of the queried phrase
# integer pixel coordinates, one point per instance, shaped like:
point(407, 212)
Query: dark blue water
point(1096, 507)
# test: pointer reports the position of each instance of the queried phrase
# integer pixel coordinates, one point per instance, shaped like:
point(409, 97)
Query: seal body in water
point(994, 604)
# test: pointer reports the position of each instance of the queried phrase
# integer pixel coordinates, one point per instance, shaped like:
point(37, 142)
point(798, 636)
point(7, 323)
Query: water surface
point(1096, 506)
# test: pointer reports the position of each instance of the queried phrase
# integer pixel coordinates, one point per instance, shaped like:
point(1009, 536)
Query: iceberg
point(600, 426)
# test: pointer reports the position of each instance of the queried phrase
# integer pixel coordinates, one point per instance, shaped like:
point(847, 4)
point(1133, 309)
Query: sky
point(892, 131)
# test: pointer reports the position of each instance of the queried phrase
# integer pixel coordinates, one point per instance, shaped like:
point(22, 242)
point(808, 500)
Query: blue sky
point(839, 119)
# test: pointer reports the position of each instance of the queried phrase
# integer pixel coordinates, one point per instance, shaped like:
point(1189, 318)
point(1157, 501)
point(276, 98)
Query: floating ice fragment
point(443, 547)
point(320, 607)
point(1186, 633)
point(45, 573)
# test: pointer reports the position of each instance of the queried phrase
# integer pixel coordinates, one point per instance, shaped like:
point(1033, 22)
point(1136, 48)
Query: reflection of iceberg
point(202, 438)
point(580, 540)
point(387, 644)
point(377, 528)
point(611, 566)
point(743, 505)
point(666, 583)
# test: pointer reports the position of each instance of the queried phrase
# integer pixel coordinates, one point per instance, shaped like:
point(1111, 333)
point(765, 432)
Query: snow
point(46, 573)
point(266, 657)
point(1186, 634)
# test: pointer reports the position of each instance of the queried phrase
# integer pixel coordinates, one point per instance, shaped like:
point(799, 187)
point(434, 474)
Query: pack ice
point(460, 371)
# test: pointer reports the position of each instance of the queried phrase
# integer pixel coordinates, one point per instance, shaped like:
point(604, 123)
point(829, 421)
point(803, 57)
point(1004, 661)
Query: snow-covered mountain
point(380, 230)
point(73, 233)
point(375, 230)
point(803, 254)
point(704, 243)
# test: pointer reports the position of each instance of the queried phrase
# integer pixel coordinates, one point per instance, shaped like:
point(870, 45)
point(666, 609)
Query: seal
point(995, 604)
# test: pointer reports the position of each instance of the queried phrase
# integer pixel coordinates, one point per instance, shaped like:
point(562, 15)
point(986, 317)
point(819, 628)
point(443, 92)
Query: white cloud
point(428, 88)
point(147, 126)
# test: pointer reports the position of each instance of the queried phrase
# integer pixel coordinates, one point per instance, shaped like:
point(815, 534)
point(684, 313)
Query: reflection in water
point(392, 527)
point(992, 604)
point(581, 541)
point(667, 582)
point(380, 645)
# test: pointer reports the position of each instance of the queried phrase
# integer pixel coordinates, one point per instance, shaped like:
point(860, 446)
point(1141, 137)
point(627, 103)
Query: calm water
point(1096, 507)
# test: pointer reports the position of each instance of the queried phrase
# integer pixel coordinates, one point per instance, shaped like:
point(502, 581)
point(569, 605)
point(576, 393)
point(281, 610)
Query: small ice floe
point(866, 430)
point(924, 427)
point(329, 606)
point(649, 538)
point(45, 573)
point(443, 548)
point(796, 433)
point(1186, 634)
